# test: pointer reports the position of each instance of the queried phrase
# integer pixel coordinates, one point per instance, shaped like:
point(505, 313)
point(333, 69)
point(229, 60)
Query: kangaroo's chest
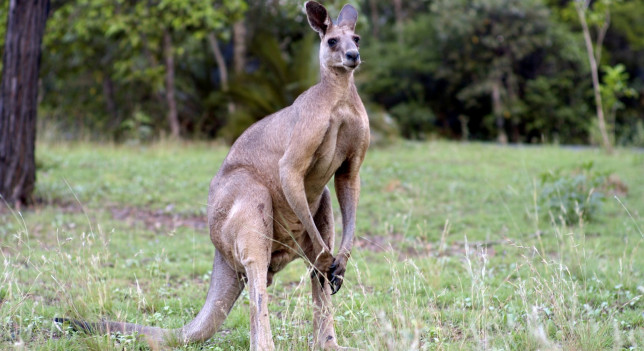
point(343, 137)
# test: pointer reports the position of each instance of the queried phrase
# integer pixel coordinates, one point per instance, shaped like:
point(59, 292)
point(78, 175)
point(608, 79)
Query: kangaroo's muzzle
point(351, 59)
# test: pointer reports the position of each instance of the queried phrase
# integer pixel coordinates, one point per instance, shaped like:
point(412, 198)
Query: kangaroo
point(269, 203)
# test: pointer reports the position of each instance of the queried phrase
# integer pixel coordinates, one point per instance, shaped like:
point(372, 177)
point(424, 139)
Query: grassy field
point(454, 251)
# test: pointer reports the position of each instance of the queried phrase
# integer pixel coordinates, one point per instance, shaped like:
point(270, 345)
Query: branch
point(601, 35)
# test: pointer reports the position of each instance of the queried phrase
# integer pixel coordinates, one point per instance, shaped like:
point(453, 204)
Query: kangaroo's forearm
point(348, 192)
point(293, 188)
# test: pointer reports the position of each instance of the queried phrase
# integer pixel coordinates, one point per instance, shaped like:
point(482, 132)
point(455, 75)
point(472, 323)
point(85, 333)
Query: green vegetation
point(577, 196)
point(454, 252)
point(515, 70)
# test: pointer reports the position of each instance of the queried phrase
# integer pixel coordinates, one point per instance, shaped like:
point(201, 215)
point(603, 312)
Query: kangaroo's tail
point(225, 287)
point(155, 337)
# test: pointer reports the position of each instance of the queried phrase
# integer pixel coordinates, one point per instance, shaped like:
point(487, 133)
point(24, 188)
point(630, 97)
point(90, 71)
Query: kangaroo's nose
point(352, 55)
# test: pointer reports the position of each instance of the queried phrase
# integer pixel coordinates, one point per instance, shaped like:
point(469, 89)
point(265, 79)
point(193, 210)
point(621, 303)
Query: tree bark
point(594, 72)
point(19, 99)
point(173, 117)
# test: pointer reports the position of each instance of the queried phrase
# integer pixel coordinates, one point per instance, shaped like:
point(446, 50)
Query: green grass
point(453, 252)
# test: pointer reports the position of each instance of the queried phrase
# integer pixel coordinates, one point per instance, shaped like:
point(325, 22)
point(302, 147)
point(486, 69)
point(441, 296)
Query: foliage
point(397, 76)
point(384, 129)
point(625, 19)
point(638, 135)
point(416, 120)
point(614, 86)
point(106, 57)
point(103, 63)
point(274, 85)
point(515, 45)
point(573, 196)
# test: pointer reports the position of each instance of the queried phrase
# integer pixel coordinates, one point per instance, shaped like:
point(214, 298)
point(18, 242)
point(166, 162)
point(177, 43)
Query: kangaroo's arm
point(305, 139)
point(347, 188)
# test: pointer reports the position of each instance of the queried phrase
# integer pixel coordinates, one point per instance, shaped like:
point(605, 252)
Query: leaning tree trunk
point(19, 98)
point(594, 70)
point(221, 65)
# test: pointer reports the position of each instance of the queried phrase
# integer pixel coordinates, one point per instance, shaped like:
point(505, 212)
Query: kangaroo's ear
point(348, 17)
point(318, 17)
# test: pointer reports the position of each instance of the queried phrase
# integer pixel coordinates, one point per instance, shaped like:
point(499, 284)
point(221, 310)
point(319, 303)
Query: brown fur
point(269, 203)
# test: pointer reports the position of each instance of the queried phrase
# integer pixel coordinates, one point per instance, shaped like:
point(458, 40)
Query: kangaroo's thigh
point(240, 217)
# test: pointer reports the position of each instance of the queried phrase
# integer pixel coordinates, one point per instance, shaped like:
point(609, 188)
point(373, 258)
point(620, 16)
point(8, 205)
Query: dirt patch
point(61, 206)
point(166, 220)
point(409, 248)
point(159, 220)
point(378, 243)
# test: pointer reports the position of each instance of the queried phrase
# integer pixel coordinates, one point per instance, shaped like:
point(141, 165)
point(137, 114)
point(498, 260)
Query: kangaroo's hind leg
point(249, 232)
point(225, 287)
point(323, 330)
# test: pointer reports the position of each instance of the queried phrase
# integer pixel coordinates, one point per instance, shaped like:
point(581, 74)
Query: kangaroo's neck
point(337, 83)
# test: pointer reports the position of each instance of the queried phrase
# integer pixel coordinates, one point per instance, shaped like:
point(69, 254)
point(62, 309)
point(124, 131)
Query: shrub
point(384, 129)
point(575, 195)
point(416, 120)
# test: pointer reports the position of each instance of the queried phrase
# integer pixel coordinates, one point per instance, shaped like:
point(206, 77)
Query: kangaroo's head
point(339, 46)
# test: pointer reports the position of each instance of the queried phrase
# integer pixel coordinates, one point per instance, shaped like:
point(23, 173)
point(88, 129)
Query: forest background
point(508, 70)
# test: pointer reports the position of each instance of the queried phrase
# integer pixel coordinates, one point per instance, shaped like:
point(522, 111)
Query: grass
point(453, 252)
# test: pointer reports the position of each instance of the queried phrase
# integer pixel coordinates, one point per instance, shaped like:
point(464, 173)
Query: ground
point(455, 250)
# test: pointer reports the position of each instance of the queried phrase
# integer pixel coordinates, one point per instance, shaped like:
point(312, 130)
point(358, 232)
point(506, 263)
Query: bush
point(573, 196)
point(415, 120)
point(384, 129)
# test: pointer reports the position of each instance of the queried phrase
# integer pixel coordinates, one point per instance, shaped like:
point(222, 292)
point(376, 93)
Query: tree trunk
point(239, 40)
point(221, 65)
point(399, 20)
point(497, 110)
point(110, 103)
point(594, 72)
point(19, 99)
point(375, 18)
point(173, 118)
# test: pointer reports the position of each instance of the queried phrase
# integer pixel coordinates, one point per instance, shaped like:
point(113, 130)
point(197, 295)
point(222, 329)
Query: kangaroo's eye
point(356, 40)
point(332, 42)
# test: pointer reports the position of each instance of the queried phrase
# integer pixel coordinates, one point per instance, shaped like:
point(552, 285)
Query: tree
point(132, 69)
point(600, 16)
point(484, 44)
point(496, 69)
point(19, 98)
point(614, 87)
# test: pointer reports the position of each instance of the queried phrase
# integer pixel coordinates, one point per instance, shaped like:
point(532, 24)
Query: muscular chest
point(346, 134)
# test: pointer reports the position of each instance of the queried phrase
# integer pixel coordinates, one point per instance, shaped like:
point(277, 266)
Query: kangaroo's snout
point(352, 55)
point(352, 58)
